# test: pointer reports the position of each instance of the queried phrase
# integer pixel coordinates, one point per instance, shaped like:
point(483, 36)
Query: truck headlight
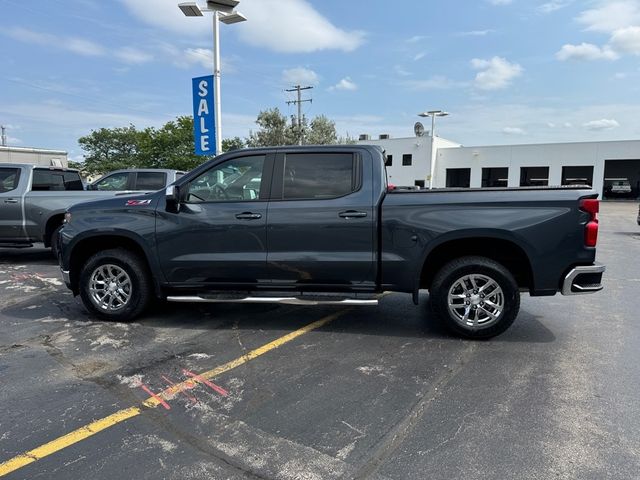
point(67, 217)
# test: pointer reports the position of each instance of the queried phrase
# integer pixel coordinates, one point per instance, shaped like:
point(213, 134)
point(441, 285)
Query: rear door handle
point(248, 216)
point(352, 214)
point(11, 200)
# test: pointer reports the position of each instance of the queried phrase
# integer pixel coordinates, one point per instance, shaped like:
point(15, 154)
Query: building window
point(458, 177)
point(406, 160)
point(419, 183)
point(534, 176)
point(495, 177)
point(389, 161)
point(582, 175)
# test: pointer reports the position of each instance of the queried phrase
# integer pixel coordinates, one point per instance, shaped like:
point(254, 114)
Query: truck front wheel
point(475, 297)
point(115, 285)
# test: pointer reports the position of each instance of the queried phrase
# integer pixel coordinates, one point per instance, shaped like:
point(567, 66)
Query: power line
point(299, 102)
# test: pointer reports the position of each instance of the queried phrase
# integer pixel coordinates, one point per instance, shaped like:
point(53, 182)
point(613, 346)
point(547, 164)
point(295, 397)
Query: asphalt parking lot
point(253, 391)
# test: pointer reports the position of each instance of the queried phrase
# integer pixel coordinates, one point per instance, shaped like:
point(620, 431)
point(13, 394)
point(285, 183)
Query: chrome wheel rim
point(476, 301)
point(110, 288)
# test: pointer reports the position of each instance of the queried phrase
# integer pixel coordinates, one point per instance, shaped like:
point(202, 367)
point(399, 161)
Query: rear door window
point(150, 180)
point(319, 176)
point(9, 179)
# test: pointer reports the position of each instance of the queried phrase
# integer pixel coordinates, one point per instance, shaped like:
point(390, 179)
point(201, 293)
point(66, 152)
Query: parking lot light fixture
point(433, 114)
point(222, 10)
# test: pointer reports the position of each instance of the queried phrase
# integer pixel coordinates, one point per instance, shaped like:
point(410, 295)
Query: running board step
point(280, 300)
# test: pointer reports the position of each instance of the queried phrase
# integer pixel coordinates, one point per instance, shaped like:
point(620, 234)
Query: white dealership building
point(411, 160)
point(37, 156)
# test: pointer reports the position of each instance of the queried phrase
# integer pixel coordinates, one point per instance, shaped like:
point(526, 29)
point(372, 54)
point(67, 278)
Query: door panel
point(10, 205)
point(218, 237)
point(327, 239)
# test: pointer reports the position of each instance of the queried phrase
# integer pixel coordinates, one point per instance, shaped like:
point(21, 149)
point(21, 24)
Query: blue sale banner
point(204, 124)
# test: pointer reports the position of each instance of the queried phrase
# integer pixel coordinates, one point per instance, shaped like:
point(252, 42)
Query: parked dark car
point(309, 225)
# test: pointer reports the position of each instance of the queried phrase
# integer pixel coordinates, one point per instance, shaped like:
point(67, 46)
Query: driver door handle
point(248, 216)
point(11, 200)
point(352, 214)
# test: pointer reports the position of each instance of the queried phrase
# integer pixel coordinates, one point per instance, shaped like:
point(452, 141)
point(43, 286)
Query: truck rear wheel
point(115, 285)
point(475, 297)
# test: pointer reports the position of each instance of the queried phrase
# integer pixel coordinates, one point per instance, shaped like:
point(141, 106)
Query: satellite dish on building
point(418, 129)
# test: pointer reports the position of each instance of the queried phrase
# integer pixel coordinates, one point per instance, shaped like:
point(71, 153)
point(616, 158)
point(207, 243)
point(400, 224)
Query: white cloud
point(166, 15)
point(419, 56)
point(436, 82)
point(496, 73)
point(554, 5)
point(500, 2)
point(288, 26)
point(610, 15)
point(133, 55)
point(513, 131)
point(293, 26)
point(198, 56)
point(600, 125)
point(400, 70)
point(585, 51)
point(626, 40)
point(345, 84)
point(300, 76)
point(73, 44)
point(417, 38)
point(475, 33)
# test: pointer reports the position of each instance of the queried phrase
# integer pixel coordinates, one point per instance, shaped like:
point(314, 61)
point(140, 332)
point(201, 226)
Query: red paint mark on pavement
point(157, 397)
point(208, 383)
point(181, 389)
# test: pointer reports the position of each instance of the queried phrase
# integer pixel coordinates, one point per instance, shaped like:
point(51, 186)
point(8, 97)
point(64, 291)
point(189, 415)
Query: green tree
point(273, 130)
point(322, 131)
point(170, 146)
point(110, 149)
point(230, 144)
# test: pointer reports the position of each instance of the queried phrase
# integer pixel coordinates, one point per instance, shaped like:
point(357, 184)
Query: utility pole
point(4, 135)
point(299, 102)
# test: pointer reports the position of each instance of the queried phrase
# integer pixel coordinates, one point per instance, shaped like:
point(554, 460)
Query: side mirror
point(172, 196)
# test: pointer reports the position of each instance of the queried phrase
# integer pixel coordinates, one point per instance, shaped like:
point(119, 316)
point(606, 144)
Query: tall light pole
point(223, 11)
point(433, 114)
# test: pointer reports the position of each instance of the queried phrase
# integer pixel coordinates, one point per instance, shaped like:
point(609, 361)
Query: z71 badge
point(137, 203)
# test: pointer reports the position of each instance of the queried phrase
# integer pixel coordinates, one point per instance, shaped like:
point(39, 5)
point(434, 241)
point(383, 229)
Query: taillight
point(592, 207)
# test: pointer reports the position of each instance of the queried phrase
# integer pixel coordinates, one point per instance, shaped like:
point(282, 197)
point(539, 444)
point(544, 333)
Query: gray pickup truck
point(312, 225)
point(33, 200)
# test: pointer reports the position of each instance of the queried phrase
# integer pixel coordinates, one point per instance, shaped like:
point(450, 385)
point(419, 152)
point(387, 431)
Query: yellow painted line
point(120, 416)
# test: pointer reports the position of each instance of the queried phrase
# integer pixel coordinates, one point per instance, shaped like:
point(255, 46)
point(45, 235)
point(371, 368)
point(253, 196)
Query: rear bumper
point(583, 279)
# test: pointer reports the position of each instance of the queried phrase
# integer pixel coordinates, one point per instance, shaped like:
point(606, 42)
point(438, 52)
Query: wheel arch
point(83, 248)
point(54, 221)
point(497, 246)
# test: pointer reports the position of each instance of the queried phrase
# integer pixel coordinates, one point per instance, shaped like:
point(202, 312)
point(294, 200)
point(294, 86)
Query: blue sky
point(508, 71)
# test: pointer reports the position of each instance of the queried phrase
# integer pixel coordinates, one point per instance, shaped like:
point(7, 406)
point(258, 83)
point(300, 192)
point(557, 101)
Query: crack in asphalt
point(397, 434)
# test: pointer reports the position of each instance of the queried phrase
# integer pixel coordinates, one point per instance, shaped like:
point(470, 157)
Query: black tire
point(454, 278)
point(54, 242)
point(138, 293)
